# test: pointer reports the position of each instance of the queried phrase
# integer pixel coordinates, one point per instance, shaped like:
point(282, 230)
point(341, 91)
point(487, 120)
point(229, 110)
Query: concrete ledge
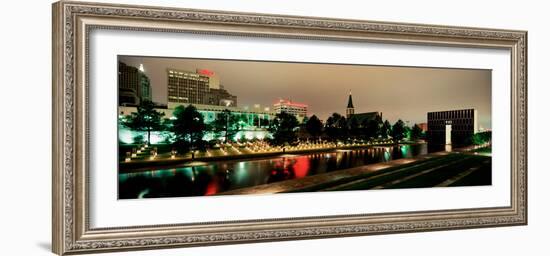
point(144, 165)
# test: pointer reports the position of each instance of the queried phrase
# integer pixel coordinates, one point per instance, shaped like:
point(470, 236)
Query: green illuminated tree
point(188, 127)
point(398, 131)
point(283, 128)
point(241, 121)
point(225, 124)
point(481, 138)
point(304, 120)
point(146, 119)
point(314, 126)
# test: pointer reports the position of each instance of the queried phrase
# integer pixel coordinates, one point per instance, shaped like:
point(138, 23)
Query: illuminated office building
point(297, 109)
point(200, 87)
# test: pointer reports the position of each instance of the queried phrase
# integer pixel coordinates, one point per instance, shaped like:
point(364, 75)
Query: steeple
point(349, 109)
point(350, 101)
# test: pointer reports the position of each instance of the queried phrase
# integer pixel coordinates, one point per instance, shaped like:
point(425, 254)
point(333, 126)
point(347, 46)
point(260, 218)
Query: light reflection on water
point(222, 176)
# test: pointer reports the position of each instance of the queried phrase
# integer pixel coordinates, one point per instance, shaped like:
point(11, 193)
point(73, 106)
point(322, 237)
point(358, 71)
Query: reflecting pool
point(217, 177)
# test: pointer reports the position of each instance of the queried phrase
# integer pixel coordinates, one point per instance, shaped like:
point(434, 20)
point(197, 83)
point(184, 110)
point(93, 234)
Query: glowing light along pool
point(216, 177)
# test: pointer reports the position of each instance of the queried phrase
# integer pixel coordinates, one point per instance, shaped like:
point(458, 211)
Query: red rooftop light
point(205, 72)
point(289, 103)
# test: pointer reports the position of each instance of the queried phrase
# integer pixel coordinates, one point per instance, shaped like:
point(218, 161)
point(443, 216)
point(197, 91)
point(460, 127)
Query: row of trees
point(188, 126)
point(338, 127)
point(285, 127)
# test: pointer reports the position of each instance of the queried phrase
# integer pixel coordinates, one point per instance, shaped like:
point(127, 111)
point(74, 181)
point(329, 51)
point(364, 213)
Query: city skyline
point(406, 93)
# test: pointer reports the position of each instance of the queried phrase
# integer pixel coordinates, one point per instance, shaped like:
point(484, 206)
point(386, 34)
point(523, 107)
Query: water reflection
point(222, 176)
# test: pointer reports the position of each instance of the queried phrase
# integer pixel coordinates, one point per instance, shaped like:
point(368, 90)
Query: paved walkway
point(310, 181)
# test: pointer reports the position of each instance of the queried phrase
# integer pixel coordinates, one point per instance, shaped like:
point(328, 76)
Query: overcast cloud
point(406, 93)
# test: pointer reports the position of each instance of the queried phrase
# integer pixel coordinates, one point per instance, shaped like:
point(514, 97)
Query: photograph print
point(210, 127)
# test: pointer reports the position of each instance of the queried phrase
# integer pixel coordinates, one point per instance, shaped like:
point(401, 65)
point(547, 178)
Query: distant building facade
point(423, 126)
point(201, 87)
point(187, 87)
point(133, 85)
point(297, 109)
point(454, 127)
point(221, 97)
point(362, 118)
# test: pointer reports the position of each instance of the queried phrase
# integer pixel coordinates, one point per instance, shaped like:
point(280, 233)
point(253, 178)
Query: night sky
point(406, 93)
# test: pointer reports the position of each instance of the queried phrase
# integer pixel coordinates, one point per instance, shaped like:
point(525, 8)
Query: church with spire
point(360, 118)
point(350, 110)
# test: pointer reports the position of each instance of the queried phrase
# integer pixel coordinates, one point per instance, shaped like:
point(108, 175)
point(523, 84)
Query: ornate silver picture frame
point(72, 208)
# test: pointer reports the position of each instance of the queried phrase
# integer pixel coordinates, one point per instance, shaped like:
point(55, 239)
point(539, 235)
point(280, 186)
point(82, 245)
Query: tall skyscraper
point(187, 87)
point(201, 87)
point(133, 85)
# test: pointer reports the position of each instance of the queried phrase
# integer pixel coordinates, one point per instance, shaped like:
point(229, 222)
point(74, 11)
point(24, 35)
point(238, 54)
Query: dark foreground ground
point(451, 170)
point(434, 170)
